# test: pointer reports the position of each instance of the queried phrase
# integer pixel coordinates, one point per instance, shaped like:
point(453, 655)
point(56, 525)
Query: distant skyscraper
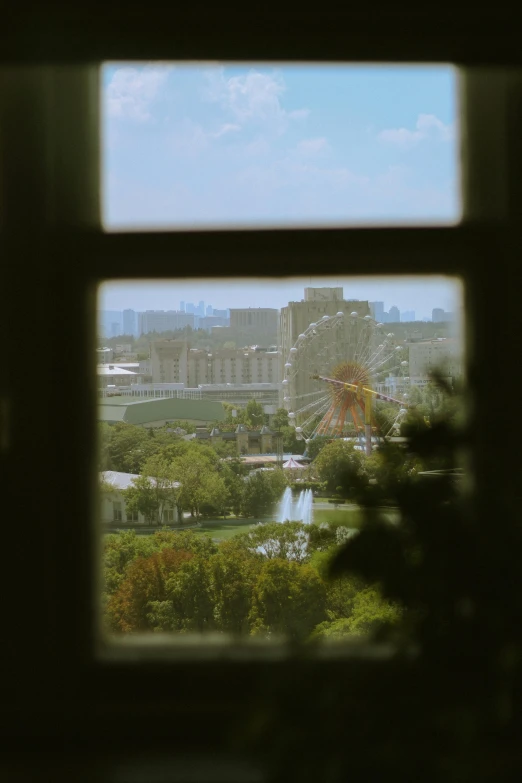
point(130, 322)
point(182, 306)
point(110, 323)
point(377, 310)
point(394, 315)
point(200, 310)
point(209, 310)
point(190, 307)
point(408, 315)
point(437, 315)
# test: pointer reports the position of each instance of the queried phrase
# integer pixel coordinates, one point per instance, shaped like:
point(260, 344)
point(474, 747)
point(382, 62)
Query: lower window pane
point(246, 428)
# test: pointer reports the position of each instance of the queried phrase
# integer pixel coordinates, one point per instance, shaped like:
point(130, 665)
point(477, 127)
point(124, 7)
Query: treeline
point(270, 582)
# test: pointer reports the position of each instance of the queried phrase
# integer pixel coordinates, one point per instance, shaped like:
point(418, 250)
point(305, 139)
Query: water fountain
point(300, 511)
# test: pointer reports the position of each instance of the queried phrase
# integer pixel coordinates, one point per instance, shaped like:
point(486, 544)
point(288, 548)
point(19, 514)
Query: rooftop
point(124, 480)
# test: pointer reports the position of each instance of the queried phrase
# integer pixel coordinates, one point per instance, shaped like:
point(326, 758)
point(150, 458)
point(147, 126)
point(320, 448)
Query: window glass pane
point(242, 427)
point(256, 145)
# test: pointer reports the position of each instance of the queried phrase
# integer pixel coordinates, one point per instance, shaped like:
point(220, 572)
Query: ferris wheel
point(332, 368)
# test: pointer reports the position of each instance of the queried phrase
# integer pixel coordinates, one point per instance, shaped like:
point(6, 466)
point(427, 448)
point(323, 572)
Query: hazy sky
point(210, 145)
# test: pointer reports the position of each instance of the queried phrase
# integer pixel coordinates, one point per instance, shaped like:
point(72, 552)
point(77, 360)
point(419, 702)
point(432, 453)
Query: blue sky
point(210, 145)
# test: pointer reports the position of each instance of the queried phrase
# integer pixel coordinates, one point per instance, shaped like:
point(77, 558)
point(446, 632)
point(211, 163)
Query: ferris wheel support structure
point(365, 397)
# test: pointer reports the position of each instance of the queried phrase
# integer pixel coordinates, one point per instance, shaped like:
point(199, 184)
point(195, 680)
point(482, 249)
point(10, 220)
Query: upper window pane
point(248, 145)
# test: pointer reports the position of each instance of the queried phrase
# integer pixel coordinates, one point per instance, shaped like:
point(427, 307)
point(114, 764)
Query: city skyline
point(422, 296)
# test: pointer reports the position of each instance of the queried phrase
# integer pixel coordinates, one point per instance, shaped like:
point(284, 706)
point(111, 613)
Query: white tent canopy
point(292, 464)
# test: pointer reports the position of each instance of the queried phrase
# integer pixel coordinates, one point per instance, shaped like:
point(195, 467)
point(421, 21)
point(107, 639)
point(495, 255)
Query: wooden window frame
point(51, 235)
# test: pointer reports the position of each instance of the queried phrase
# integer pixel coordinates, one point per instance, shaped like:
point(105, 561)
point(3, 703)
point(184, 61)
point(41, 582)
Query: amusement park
point(334, 382)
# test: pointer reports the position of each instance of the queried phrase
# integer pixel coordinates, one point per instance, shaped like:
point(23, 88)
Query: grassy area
point(350, 517)
point(222, 529)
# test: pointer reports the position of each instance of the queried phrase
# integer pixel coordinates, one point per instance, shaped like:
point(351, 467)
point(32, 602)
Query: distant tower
point(394, 315)
point(182, 306)
point(377, 310)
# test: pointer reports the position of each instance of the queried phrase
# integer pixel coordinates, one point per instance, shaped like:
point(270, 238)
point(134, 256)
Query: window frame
point(63, 225)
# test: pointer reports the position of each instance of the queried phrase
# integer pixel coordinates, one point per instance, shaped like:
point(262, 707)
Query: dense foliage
point(269, 582)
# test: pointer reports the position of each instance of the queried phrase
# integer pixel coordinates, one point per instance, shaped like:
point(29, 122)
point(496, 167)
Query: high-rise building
point(377, 310)
point(408, 315)
point(394, 315)
point(168, 361)
point(425, 356)
point(221, 313)
point(321, 294)
point(297, 316)
point(209, 310)
point(210, 321)
point(254, 325)
point(164, 321)
point(190, 307)
point(182, 306)
point(437, 315)
point(110, 323)
point(172, 361)
point(130, 322)
point(200, 310)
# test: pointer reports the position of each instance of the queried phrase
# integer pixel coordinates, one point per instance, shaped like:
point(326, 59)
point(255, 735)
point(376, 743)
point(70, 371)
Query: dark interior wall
point(63, 713)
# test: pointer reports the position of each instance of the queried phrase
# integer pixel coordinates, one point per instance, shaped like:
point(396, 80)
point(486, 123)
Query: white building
point(426, 356)
point(112, 375)
point(113, 506)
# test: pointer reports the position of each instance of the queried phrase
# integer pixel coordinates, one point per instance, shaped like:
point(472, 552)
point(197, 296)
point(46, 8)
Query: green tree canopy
point(288, 599)
point(341, 467)
point(255, 415)
point(261, 491)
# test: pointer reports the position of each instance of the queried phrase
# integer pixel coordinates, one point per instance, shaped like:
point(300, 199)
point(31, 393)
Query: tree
point(280, 419)
point(315, 446)
point(196, 470)
point(126, 447)
point(261, 491)
point(288, 599)
point(120, 549)
point(340, 466)
point(234, 571)
point(189, 591)
point(291, 443)
point(255, 415)
point(145, 581)
point(152, 494)
point(287, 540)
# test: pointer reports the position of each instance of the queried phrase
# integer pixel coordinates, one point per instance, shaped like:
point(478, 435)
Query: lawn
point(222, 529)
point(349, 517)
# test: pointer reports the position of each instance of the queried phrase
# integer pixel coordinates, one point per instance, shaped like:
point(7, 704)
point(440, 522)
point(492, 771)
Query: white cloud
point(311, 147)
point(252, 97)
point(131, 91)
point(226, 128)
point(428, 126)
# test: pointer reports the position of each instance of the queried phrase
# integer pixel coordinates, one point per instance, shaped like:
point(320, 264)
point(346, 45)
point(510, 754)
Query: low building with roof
point(157, 412)
point(112, 375)
point(114, 512)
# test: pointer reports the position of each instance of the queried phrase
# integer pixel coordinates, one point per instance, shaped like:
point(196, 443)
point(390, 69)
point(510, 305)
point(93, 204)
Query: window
point(487, 236)
point(132, 516)
point(116, 511)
